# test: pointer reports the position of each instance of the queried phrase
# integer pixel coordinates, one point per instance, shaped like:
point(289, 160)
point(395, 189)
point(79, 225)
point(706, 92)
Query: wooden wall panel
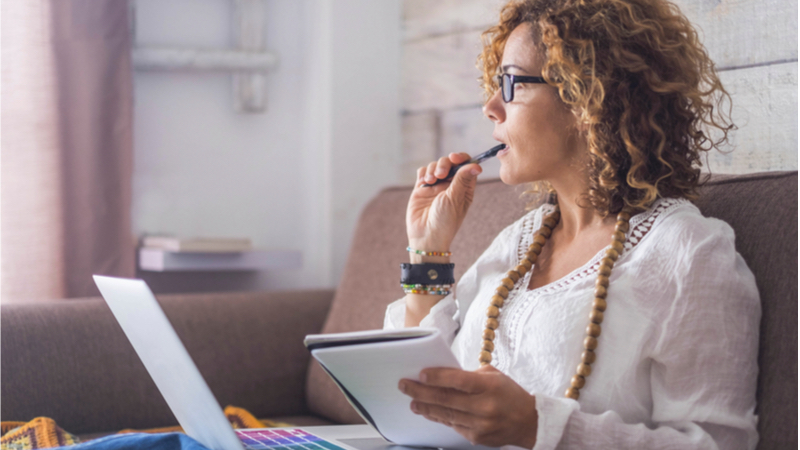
point(745, 32)
point(440, 73)
point(765, 112)
point(466, 130)
point(420, 143)
point(736, 32)
point(425, 18)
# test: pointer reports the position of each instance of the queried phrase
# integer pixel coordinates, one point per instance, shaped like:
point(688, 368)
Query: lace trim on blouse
point(516, 310)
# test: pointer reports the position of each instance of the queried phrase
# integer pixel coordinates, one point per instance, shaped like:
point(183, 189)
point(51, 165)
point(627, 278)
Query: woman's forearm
point(418, 306)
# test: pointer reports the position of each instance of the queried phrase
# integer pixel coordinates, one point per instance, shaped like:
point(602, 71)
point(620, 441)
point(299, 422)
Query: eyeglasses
point(507, 81)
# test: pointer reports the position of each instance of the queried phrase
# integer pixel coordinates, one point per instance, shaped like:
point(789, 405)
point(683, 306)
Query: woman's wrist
point(421, 253)
point(414, 258)
point(428, 289)
point(532, 428)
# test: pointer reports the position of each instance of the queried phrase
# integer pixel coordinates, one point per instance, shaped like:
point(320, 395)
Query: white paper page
point(371, 373)
point(313, 339)
point(168, 362)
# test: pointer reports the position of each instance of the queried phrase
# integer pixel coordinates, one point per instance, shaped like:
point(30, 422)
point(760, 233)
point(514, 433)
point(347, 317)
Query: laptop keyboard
point(283, 439)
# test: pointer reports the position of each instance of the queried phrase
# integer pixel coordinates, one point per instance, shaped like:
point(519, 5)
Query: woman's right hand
point(435, 213)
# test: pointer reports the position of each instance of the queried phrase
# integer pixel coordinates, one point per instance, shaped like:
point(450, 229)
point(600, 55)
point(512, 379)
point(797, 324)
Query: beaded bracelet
point(426, 286)
point(418, 292)
point(427, 289)
point(424, 253)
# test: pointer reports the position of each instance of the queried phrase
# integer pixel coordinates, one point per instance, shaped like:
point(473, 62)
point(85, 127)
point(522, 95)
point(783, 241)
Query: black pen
point(476, 159)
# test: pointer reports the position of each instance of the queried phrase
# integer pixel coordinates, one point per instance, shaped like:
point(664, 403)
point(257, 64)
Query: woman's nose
point(494, 109)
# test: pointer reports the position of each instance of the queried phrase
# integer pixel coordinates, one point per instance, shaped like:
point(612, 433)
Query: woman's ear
point(580, 126)
point(581, 123)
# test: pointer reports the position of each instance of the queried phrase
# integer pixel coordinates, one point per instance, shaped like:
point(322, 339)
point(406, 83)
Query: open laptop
point(187, 394)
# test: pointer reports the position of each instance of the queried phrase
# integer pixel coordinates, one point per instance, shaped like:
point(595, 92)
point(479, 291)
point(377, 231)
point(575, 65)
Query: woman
point(607, 103)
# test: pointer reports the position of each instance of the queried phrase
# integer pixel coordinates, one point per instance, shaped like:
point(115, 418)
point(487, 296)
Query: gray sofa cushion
point(69, 360)
point(761, 208)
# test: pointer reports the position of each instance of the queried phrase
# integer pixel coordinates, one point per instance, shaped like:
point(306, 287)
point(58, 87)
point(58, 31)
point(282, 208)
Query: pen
point(476, 159)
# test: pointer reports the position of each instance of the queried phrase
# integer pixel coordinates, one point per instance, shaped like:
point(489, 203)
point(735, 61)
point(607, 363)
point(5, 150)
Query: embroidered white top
point(676, 362)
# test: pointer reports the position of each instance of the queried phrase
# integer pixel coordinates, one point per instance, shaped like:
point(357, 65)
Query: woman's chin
point(509, 177)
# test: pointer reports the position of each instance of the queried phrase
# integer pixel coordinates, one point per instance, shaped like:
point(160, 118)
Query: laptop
point(187, 394)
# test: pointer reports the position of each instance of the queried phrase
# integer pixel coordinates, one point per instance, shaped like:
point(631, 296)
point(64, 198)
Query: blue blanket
point(139, 441)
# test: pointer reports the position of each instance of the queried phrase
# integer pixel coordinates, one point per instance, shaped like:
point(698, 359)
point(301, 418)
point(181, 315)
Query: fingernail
point(403, 387)
point(414, 407)
point(423, 377)
point(475, 172)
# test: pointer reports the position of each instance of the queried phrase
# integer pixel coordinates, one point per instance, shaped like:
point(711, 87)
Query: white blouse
point(676, 362)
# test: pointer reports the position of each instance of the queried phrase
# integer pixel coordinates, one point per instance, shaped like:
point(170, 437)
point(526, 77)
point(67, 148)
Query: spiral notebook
point(368, 365)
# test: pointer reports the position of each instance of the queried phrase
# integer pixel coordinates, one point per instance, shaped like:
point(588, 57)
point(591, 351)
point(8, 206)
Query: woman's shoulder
point(676, 223)
point(689, 262)
point(684, 247)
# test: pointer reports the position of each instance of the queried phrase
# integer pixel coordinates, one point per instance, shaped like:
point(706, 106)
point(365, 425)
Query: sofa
point(70, 361)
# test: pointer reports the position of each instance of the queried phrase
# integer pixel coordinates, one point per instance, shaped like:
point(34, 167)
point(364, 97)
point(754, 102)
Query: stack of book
point(167, 253)
point(198, 245)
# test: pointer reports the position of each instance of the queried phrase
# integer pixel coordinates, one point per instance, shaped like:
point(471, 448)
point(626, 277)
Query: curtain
point(66, 147)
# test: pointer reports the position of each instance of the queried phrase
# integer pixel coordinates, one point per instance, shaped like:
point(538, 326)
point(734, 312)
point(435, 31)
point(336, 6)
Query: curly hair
point(640, 84)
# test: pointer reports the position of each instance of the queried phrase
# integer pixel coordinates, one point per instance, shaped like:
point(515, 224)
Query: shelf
point(157, 260)
point(155, 58)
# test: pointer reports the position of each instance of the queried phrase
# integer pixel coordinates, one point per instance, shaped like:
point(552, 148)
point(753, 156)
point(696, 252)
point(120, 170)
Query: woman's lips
point(503, 151)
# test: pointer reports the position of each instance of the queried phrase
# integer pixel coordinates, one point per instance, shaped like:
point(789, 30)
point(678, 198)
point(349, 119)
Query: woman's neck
point(576, 219)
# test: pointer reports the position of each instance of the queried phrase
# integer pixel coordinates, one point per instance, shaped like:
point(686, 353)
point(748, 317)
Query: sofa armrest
point(69, 359)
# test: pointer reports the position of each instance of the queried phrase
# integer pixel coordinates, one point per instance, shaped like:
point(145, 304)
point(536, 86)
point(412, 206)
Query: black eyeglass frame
point(509, 80)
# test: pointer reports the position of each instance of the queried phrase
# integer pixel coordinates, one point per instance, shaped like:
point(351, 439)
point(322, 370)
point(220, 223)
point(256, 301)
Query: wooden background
point(753, 43)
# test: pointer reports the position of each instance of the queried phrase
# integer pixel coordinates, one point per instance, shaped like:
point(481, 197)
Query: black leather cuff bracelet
point(427, 273)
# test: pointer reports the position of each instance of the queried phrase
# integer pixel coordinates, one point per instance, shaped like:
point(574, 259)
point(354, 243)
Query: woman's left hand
point(486, 406)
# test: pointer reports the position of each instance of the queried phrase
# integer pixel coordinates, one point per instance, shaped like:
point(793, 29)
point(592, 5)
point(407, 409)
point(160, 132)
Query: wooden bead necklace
point(598, 305)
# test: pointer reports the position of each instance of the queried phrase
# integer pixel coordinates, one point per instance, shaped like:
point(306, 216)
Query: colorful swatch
point(283, 439)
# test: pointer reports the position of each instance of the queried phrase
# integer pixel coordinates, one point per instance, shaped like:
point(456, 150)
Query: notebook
point(186, 392)
point(368, 365)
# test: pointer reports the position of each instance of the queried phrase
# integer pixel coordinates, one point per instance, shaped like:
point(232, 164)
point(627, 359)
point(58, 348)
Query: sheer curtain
point(66, 147)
